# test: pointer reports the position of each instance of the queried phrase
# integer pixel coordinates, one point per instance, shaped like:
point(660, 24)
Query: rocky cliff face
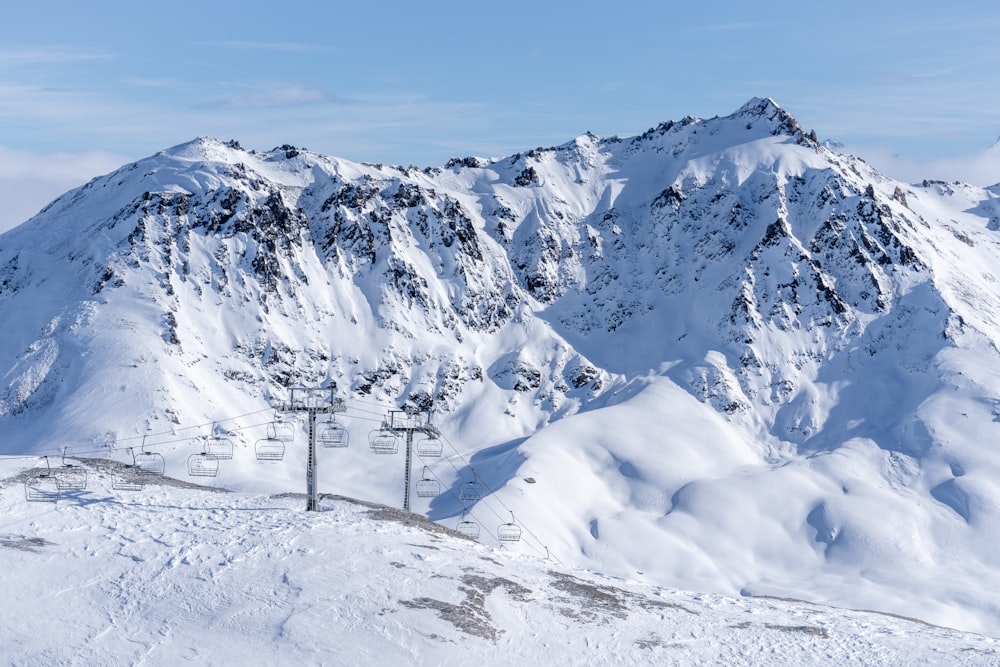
point(737, 248)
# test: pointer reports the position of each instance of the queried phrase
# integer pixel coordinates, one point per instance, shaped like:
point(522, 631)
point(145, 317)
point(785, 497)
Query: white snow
point(714, 357)
point(170, 575)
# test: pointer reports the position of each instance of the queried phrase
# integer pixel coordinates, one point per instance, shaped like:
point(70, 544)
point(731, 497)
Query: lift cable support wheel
point(314, 402)
point(42, 486)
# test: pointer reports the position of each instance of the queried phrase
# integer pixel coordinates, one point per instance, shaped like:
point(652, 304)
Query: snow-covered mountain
point(714, 356)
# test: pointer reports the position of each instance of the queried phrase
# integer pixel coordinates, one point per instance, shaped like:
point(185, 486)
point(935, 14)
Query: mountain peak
point(766, 109)
point(204, 148)
point(758, 107)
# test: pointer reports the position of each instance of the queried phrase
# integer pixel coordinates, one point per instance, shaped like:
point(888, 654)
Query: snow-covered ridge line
point(728, 357)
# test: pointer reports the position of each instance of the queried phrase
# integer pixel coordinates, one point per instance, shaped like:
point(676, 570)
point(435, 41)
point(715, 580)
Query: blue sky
point(88, 86)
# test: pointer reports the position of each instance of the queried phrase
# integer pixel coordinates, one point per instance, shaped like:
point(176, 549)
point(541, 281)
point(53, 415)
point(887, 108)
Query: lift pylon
point(312, 402)
point(407, 423)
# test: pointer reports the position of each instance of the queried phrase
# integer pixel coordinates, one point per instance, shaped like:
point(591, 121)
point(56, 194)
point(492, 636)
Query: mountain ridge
point(728, 278)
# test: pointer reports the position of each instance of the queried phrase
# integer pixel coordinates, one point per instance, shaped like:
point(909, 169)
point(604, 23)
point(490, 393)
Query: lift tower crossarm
point(312, 402)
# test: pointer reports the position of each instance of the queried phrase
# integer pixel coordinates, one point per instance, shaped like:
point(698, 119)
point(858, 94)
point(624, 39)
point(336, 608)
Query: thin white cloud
point(29, 181)
point(746, 25)
point(982, 168)
point(147, 82)
point(287, 47)
point(54, 55)
point(275, 94)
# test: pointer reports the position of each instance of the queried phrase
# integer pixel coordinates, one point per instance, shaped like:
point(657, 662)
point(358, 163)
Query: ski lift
point(430, 448)
point(270, 450)
point(281, 430)
point(427, 487)
point(42, 486)
point(333, 434)
point(509, 532)
point(203, 465)
point(127, 478)
point(471, 490)
point(218, 447)
point(468, 528)
point(150, 463)
point(383, 441)
point(70, 477)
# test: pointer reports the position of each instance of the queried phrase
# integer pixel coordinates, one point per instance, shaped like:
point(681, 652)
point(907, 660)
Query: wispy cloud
point(286, 47)
point(275, 94)
point(146, 82)
point(53, 55)
point(29, 180)
point(746, 25)
point(980, 169)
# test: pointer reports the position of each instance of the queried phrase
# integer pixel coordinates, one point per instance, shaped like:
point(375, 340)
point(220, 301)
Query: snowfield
point(177, 573)
point(717, 356)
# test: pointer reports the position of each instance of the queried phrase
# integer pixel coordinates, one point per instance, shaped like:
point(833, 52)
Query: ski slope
point(183, 574)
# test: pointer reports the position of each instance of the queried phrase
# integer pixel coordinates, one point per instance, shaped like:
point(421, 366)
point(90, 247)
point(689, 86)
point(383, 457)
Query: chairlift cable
point(492, 493)
point(468, 512)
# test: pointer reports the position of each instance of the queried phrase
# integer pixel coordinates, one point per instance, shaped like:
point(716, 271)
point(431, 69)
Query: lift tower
point(312, 402)
point(408, 423)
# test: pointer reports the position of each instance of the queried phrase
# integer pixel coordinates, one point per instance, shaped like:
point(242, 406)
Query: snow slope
point(180, 574)
point(714, 356)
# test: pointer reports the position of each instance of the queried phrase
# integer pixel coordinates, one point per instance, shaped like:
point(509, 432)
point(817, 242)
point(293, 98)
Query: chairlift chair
point(427, 487)
point(383, 441)
point(127, 478)
point(70, 477)
point(150, 463)
point(41, 486)
point(509, 532)
point(468, 528)
point(219, 448)
point(281, 430)
point(471, 491)
point(203, 465)
point(430, 448)
point(270, 450)
point(333, 434)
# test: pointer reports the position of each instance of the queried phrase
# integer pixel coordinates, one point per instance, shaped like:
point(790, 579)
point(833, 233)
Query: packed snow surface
point(175, 574)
